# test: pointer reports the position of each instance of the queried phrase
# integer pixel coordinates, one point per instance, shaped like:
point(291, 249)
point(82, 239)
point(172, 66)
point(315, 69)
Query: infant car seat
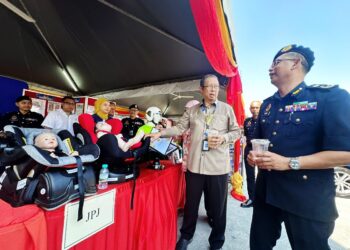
point(32, 175)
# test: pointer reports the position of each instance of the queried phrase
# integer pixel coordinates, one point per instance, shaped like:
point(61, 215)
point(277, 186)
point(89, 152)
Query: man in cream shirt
point(62, 119)
point(208, 161)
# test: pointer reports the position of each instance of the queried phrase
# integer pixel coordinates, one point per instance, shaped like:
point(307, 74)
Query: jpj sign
point(98, 214)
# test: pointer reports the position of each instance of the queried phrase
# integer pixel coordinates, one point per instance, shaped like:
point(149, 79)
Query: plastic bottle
point(103, 177)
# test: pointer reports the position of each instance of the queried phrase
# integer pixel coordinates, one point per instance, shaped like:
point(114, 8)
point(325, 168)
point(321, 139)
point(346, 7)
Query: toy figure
point(153, 116)
point(48, 142)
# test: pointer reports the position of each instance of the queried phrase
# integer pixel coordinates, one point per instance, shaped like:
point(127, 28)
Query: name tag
point(205, 146)
point(98, 213)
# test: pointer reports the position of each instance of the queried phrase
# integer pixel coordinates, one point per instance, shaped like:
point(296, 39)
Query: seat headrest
point(27, 135)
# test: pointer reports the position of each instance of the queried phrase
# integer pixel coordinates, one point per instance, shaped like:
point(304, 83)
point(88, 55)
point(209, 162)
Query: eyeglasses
point(277, 61)
point(69, 103)
point(211, 87)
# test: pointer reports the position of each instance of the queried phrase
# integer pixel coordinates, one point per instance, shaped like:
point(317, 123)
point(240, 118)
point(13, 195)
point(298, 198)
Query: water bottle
point(103, 177)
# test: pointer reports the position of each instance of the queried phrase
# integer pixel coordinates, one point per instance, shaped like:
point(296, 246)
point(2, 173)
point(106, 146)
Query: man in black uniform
point(309, 133)
point(131, 124)
point(249, 127)
point(23, 117)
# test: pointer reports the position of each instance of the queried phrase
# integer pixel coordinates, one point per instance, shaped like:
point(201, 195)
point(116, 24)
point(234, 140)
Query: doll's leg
point(121, 143)
point(137, 138)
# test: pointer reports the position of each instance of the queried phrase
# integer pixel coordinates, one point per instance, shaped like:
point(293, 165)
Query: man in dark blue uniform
point(23, 117)
point(309, 133)
point(132, 123)
point(249, 127)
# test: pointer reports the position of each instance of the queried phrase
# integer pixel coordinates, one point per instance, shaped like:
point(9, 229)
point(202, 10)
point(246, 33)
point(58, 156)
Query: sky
point(261, 28)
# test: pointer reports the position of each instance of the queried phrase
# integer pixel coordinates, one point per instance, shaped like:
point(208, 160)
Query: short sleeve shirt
point(59, 120)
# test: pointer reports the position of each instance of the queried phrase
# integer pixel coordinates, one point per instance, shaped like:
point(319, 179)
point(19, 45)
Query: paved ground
point(238, 224)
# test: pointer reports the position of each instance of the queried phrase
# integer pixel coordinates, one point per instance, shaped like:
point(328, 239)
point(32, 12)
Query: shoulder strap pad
point(323, 86)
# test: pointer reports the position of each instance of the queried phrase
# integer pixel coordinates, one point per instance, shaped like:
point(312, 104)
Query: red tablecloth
point(152, 224)
point(22, 228)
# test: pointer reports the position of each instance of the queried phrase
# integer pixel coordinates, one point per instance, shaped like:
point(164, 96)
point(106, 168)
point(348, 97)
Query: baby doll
point(48, 142)
point(103, 128)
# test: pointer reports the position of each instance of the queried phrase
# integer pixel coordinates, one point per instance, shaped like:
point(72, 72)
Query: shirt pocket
point(220, 123)
point(298, 124)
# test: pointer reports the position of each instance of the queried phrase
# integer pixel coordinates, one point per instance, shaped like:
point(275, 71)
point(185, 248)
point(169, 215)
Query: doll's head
point(46, 141)
point(153, 114)
point(103, 126)
point(102, 108)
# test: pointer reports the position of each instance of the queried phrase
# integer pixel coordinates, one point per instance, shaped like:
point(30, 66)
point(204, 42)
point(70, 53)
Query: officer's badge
point(249, 123)
point(267, 110)
point(297, 91)
point(287, 48)
point(13, 118)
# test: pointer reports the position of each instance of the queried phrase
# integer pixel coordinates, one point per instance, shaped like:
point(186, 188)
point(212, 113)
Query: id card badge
point(205, 146)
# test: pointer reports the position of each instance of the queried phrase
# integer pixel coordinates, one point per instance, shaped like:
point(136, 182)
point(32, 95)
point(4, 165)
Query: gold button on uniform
point(305, 177)
point(277, 121)
point(274, 133)
point(297, 120)
point(280, 110)
point(263, 120)
point(271, 145)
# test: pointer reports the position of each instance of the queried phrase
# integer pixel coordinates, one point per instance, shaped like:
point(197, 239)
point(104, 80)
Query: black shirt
point(249, 127)
point(130, 127)
point(28, 120)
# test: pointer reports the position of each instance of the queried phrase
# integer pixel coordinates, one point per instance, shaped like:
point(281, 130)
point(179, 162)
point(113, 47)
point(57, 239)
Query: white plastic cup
point(212, 133)
point(260, 145)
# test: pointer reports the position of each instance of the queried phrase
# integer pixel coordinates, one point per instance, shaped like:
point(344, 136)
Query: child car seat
point(32, 175)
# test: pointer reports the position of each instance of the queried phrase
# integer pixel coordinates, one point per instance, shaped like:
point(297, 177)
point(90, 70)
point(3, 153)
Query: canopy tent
point(101, 46)
point(97, 46)
point(171, 98)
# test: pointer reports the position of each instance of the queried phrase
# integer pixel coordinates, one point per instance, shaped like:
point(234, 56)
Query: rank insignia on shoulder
point(323, 86)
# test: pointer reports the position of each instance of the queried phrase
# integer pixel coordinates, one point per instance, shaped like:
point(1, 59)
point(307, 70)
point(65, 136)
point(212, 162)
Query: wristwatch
point(294, 163)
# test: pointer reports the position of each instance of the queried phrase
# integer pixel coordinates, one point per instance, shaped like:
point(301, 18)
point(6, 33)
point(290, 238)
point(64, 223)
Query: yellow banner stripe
point(225, 35)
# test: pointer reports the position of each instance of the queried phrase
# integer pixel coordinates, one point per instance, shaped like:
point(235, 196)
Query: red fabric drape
point(208, 27)
point(151, 225)
point(22, 228)
point(234, 97)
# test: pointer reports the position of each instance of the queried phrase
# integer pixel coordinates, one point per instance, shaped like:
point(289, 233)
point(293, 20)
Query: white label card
point(98, 213)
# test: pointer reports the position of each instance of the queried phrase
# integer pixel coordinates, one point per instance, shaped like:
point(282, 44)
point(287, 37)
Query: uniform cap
point(307, 53)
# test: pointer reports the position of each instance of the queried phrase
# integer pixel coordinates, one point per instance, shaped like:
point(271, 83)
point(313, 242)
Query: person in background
point(133, 123)
point(63, 118)
point(249, 127)
point(208, 162)
point(23, 117)
point(309, 133)
point(112, 112)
